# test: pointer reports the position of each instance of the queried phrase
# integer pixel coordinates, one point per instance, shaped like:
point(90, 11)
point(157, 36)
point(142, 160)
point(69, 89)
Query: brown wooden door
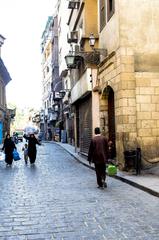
point(85, 120)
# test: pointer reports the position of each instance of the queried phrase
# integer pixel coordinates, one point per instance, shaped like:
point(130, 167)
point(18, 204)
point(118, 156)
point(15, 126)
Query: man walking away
point(98, 154)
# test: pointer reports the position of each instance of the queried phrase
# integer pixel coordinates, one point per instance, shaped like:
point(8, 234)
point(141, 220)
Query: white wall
point(62, 33)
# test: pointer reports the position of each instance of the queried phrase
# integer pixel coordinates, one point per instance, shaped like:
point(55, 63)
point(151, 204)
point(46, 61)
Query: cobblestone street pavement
point(58, 199)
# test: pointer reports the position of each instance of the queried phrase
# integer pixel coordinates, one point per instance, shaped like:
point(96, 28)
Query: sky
point(22, 23)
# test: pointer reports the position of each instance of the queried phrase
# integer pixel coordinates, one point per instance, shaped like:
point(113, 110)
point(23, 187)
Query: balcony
point(53, 116)
point(72, 37)
point(82, 87)
point(57, 96)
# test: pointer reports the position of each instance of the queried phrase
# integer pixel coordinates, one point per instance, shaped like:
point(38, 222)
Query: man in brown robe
point(98, 154)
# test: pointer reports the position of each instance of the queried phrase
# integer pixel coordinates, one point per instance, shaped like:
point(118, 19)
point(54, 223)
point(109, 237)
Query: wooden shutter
point(110, 8)
point(102, 14)
point(85, 119)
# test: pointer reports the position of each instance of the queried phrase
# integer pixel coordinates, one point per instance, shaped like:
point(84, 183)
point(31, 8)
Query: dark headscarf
point(8, 145)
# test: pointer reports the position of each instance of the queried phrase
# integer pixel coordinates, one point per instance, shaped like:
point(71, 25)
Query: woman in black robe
point(8, 148)
point(32, 141)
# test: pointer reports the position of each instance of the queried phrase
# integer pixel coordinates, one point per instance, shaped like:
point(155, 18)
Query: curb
point(134, 184)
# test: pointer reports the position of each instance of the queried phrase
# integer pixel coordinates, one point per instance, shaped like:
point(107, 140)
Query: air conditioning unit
point(72, 37)
point(73, 4)
point(56, 96)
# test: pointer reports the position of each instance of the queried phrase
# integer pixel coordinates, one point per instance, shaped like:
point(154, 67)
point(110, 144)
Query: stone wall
point(117, 72)
point(147, 100)
point(136, 105)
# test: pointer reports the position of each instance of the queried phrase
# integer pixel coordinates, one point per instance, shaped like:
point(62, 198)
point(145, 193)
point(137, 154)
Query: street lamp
point(64, 91)
point(73, 59)
point(70, 59)
point(91, 40)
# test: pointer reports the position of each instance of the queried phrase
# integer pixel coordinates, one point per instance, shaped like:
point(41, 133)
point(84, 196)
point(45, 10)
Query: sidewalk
point(146, 182)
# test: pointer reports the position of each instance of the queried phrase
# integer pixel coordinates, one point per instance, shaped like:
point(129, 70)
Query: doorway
point(108, 113)
point(111, 114)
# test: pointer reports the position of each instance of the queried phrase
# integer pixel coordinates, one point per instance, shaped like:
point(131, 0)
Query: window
point(110, 9)
point(60, 57)
point(47, 69)
point(66, 84)
point(102, 14)
point(43, 74)
point(3, 96)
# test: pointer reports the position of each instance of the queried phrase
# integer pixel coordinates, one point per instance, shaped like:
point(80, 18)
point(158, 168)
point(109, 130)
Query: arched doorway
point(111, 114)
point(107, 109)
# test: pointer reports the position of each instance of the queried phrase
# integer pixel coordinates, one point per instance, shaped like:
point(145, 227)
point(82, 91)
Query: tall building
point(83, 21)
point(52, 84)
point(66, 121)
point(128, 78)
point(113, 68)
point(5, 114)
point(46, 47)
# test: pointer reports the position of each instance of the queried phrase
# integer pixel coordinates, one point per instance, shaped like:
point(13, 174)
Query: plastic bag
point(31, 129)
point(2, 156)
point(16, 156)
point(112, 170)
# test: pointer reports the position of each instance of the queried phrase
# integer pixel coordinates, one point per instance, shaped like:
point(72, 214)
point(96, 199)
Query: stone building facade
point(128, 78)
point(5, 114)
point(83, 71)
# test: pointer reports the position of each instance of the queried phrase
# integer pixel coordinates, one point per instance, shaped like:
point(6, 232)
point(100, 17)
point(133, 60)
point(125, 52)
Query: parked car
point(19, 134)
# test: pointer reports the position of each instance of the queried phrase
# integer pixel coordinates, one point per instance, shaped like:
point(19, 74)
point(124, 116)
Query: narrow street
point(58, 199)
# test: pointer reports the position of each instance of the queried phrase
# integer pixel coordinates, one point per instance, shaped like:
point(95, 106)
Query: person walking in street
point(25, 149)
point(49, 134)
point(15, 137)
point(32, 141)
point(98, 154)
point(8, 148)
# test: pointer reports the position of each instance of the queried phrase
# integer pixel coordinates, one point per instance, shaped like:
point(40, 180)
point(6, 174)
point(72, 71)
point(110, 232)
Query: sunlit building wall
point(82, 22)
point(5, 115)
point(129, 76)
point(64, 74)
point(46, 48)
